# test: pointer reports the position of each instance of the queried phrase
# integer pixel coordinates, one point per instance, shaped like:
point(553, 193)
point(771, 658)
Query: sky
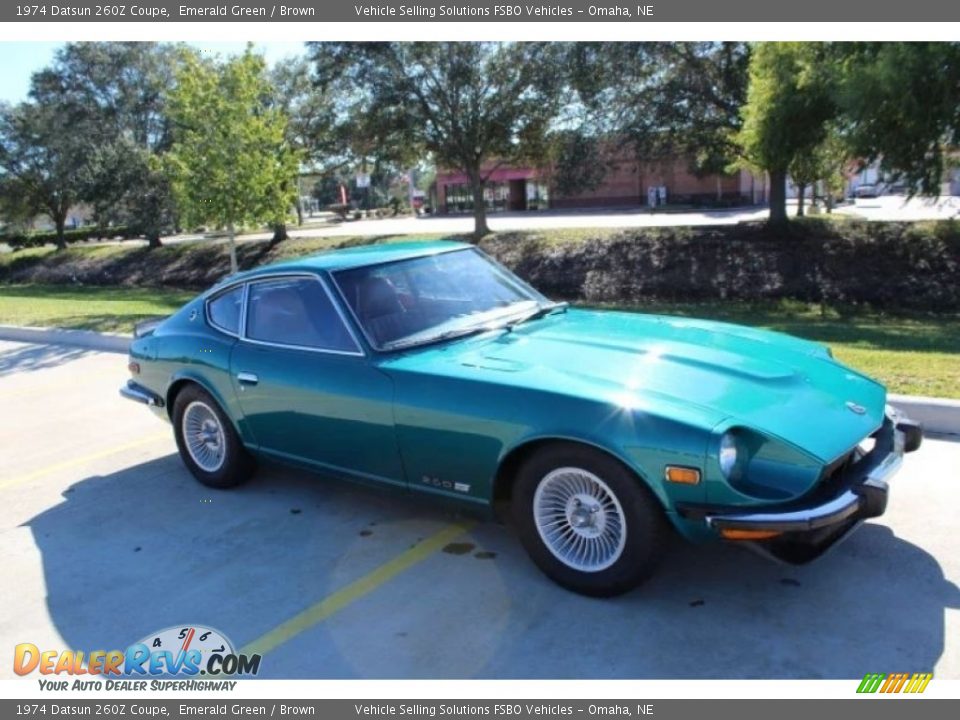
point(20, 60)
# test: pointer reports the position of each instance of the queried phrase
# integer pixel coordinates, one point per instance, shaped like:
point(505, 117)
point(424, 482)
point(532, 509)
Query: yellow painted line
point(354, 591)
point(83, 460)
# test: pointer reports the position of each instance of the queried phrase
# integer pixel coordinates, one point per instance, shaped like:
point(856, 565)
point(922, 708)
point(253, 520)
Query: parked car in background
point(867, 191)
point(430, 368)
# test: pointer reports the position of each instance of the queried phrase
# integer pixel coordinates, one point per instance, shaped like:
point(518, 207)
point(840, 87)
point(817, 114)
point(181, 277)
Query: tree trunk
point(61, 222)
point(153, 240)
point(801, 192)
point(778, 197)
point(480, 227)
point(299, 216)
point(233, 248)
point(279, 233)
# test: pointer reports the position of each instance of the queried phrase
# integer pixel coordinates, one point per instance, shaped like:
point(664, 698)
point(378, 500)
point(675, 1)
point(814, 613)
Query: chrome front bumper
point(807, 528)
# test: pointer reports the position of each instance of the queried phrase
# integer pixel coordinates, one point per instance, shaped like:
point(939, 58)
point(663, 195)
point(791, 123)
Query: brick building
point(626, 184)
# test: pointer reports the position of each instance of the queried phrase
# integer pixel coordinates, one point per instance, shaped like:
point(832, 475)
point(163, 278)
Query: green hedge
point(49, 237)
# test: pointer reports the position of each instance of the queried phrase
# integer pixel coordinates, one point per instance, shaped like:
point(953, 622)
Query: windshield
point(425, 299)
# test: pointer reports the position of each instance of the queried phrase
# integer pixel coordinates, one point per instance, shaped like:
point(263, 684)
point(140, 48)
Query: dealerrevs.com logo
point(186, 651)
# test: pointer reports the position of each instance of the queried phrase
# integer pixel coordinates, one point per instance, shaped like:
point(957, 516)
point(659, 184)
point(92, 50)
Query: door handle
point(247, 378)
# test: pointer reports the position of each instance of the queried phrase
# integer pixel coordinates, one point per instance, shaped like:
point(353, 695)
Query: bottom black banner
point(874, 708)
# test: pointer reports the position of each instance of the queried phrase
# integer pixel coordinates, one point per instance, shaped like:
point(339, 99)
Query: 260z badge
point(445, 484)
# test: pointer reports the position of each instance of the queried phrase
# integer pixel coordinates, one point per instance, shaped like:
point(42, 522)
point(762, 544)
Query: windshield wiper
point(539, 312)
point(439, 337)
point(454, 333)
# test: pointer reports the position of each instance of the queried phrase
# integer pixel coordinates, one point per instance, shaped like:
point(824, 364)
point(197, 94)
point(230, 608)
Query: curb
point(938, 415)
point(103, 342)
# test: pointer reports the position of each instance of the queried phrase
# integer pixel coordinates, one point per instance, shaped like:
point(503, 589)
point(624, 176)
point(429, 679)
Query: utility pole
point(299, 199)
point(410, 188)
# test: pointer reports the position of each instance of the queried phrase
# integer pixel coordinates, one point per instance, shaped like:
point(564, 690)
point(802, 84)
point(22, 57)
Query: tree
point(474, 106)
point(663, 99)
point(16, 210)
point(577, 162)
point(231, 163)
point(823, 164)
point(43, 152)
point(311, 113)
point(900, 104)
point(120, 90)
point(790, 100)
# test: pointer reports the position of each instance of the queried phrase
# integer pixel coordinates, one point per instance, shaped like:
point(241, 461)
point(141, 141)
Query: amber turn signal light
point(732, 534)
point(133, 367)
point(682, 475)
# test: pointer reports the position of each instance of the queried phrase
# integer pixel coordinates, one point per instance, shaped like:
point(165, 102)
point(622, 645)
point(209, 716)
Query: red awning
point(499, 175)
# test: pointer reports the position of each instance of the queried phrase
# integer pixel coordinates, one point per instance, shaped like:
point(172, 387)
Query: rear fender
point(222, 393)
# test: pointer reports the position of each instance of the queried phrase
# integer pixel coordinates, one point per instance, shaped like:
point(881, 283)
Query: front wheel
point(587, 522)
point(208, 444)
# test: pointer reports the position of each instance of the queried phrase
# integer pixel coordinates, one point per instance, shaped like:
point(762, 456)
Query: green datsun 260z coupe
point(428, 366)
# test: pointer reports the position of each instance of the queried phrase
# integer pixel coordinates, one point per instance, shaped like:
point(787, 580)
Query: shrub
point(74, 235)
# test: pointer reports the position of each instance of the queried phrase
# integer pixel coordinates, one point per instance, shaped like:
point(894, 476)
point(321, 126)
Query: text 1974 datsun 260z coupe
point(430, 367)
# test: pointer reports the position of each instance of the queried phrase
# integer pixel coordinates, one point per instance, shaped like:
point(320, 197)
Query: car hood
point(694, 371)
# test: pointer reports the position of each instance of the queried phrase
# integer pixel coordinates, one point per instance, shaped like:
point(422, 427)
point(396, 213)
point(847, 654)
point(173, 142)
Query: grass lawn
point(915, 355)
point(106, 309)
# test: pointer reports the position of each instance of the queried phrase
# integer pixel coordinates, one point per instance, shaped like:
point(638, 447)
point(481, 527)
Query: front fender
point(643, 444)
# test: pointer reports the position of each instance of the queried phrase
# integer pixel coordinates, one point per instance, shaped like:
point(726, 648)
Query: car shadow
point(26, 358)
point(875, 600)
point(146, 548)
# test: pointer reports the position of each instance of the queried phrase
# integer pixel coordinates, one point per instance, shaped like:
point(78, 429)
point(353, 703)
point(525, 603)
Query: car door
point(307, 391)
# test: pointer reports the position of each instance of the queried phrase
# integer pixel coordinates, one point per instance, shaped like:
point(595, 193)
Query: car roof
point(353, 257)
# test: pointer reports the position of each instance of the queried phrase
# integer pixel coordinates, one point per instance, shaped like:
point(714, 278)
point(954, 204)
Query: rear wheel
point(587, 521)
point(208, 444)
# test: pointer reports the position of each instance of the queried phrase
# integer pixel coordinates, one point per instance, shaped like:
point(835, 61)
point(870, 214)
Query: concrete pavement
point(507, 221)
point(901, 208)
point(105, 538)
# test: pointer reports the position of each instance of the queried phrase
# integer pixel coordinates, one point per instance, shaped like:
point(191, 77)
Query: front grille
point(833, 479)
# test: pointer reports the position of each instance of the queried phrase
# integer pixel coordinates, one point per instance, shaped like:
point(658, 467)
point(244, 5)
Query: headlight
point(728, 454)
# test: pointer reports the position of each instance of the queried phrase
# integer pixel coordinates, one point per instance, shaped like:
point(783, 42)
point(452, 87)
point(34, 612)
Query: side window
point(296, 311)
point(223, 310)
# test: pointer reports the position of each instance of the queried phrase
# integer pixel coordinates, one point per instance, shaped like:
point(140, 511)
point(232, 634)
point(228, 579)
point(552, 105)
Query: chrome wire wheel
point(579, 519)
point(203, 436)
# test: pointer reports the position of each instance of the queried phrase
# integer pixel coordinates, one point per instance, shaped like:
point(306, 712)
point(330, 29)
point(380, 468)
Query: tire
point(578, 492)
point(222, 461)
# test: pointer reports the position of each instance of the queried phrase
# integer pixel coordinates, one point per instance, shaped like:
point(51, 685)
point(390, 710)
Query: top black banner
point(647, 11)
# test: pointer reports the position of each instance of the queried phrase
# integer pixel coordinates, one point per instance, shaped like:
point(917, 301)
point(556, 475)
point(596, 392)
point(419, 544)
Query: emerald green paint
point(442, 418)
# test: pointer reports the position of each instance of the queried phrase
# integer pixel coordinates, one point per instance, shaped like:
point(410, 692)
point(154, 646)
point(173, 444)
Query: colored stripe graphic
point(894, 682)
point(871, 682)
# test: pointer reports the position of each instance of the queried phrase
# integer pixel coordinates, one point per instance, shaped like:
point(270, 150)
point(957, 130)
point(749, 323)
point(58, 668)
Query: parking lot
point(107, 538)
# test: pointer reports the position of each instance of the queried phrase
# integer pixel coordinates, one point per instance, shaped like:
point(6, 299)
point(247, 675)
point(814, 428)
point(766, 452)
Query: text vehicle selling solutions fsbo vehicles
point(429, 367)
